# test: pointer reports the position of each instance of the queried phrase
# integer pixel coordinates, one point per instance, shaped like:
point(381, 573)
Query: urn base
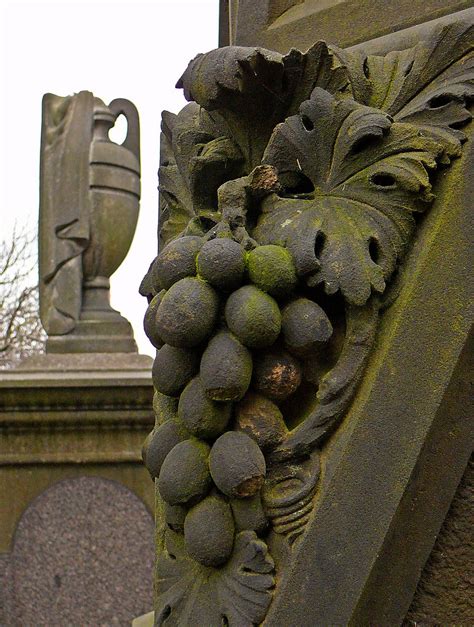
point(110, 333)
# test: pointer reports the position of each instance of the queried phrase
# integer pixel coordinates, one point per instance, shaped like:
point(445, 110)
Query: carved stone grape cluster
point(289, 189)
point(230, 332)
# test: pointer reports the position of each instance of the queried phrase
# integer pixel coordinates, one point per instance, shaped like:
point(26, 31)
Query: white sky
point(133, 50)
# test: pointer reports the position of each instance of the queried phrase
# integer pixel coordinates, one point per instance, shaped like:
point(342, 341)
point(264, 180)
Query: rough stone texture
point(82, 555)
point(4, 567)
point(445, 591)
point(283, 24)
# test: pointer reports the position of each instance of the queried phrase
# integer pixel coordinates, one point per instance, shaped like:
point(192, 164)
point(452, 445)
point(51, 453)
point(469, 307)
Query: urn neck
point(104, 120)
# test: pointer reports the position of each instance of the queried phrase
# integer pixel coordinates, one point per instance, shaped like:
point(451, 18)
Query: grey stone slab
point(79, 369)
point(82, 555)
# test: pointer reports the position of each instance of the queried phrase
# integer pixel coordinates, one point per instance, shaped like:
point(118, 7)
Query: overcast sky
point(133, 50)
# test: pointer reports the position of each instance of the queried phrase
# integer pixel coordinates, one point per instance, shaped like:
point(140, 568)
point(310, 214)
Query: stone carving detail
point(290, 190)
point(88, 184)
point(241, 590)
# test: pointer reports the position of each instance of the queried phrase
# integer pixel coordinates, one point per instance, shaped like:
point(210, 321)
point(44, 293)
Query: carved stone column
point(311, 304)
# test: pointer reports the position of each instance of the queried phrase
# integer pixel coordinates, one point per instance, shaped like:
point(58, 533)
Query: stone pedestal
point(76, 526)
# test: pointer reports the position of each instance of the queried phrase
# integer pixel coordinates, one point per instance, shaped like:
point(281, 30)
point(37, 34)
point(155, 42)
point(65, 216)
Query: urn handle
point(128, 109)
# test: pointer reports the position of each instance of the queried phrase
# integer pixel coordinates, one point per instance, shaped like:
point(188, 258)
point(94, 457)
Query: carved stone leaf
point(318, 67)
point(428, 85)
point(246, 86)
point(196, 158)
point(239, 593)
point(245, 586)
point(368, 176)
point(253, 89)
point(440, 108)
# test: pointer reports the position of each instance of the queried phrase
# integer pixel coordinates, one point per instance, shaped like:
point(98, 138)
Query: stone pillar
point(312, 306)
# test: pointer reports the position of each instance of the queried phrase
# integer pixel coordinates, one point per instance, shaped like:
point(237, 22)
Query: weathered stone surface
point(175, 516)
point(340, 153)
point(160, 442)
point(397, 439)
point(249, 514)
point(187, 313)
point(202, 416)
point(444, 592)
point(177, 261)
point(226, 368)
point(237, 465)
point(271, 269)
point(88, 215)
point(173, 369)
point(277, 375)
point(253, 317)
point(63, 417)
point(209, 531)
point(284, 24)
point(261, 419)
point(222, 263)
point(5, 593)
point(184, 477)
point(305, 326)
point(149, 321)
point(83, 554)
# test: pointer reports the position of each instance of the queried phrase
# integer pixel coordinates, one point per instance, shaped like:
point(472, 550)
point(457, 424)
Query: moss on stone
point(187, 313)
point(226, 368)
point(202, 416)
point(248, 514)
point(184, 477)
point(165, 407)
point(253, 316)
point(271, 269)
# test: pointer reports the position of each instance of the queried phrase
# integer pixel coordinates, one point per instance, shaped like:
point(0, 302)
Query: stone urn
point(89, 203)
point(114, 184)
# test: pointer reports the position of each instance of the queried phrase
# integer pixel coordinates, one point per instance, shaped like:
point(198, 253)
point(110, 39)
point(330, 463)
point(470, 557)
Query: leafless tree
point(21, 333)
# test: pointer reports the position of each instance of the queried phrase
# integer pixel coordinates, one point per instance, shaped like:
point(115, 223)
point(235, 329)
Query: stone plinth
point(75, 499)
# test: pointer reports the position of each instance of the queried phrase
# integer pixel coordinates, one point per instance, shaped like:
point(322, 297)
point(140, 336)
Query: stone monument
point(312, 305)
point(76, 502)
point(88, 217)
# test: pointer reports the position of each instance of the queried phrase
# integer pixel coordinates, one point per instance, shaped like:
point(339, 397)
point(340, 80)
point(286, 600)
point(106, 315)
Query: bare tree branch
point(21, 333)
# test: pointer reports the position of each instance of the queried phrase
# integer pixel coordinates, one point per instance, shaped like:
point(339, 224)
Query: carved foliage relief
point(290, 189)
